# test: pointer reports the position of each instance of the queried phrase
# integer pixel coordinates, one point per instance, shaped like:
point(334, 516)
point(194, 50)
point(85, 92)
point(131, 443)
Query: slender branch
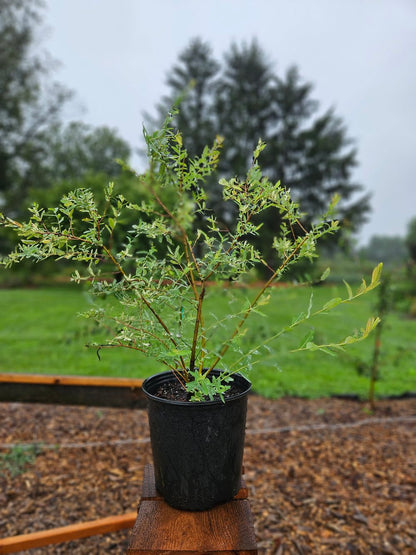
point(191, 263)
point(164, 326)
point(253, 303)
point(123, 345)
point(187, 246)
point(114, 346)
point(142, 330)
point(122, 272)
point(196, 328)
point(372, 323)
point(149, 306)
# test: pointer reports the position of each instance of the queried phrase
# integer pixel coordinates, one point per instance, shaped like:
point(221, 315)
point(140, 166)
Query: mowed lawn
point(41, 332)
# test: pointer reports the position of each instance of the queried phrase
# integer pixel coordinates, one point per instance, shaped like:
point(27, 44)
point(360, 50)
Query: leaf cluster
point(161, 300)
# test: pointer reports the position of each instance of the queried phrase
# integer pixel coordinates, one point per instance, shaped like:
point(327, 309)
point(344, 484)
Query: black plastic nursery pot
point(197, 446)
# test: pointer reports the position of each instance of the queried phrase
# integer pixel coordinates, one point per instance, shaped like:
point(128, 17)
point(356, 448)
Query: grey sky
point(360, 55)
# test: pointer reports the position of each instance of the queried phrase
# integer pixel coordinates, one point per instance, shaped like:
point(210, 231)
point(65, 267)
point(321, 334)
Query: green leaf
point(310, 306)
point(297, 319)
point(259, 148)
point(349, 290)
point(325, 274)
point(362, 288)
point(332, 303)
point(310, 346)
point(307, 340)
point(376, 275)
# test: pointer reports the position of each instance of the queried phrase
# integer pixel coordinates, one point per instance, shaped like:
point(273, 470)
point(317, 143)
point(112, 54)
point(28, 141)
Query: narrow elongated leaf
point(350, 293)
point(309, 306)
point(307, 339)
point(325, 274)
point(332, 303)
point(376, 275)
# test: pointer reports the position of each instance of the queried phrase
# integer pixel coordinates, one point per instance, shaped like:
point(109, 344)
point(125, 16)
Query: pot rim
point(169, 374)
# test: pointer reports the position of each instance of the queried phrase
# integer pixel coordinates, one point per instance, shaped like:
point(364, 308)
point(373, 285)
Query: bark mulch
point(325, 475)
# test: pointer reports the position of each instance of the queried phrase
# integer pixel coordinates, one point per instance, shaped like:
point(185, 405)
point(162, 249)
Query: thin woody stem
point(191, 260)
point(119, 344)
point(161, 322)
point(141, 330)
point(253, 304)
point(187, 247)
point(196, 328)
point(149, 306)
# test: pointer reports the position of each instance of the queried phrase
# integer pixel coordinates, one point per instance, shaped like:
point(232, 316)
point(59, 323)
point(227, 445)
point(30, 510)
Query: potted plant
point(158, 258)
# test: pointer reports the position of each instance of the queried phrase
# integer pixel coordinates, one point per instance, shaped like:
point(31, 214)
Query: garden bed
point(324, 475)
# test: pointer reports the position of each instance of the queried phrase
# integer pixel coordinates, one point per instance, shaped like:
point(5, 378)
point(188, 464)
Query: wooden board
point(72, 390)
point(227, 528)
point(67, 533)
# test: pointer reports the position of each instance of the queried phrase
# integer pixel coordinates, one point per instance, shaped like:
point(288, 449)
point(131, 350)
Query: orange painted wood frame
point(72, 390)
point(67, 533)
point(47, 379)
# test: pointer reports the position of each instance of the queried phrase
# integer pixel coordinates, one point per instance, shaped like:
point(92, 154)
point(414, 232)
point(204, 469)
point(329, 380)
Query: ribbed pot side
point(197, 446)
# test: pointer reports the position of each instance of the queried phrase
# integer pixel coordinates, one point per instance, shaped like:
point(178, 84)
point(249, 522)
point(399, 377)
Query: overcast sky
point(359, 54)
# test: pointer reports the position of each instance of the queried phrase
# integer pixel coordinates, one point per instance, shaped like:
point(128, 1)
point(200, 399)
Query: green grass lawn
point(40, 332)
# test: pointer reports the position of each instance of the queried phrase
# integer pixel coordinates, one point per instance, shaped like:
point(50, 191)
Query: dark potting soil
point(174, 391)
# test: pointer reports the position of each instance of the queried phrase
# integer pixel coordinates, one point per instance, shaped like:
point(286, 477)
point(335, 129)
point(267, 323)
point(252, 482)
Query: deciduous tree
point(30, 102)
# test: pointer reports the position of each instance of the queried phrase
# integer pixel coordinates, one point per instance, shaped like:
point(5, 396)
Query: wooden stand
point(227, 528)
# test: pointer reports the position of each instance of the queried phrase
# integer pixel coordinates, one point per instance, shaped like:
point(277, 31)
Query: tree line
point(37, 149)
point(240, 97)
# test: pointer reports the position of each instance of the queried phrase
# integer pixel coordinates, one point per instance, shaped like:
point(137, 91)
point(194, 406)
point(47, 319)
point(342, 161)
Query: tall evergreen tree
point(243, 104)
point(312, 153)
point(192, 81)
point(308, 151)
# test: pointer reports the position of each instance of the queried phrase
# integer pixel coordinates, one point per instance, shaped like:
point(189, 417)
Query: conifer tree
point(191, 81)
point(243, 99)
